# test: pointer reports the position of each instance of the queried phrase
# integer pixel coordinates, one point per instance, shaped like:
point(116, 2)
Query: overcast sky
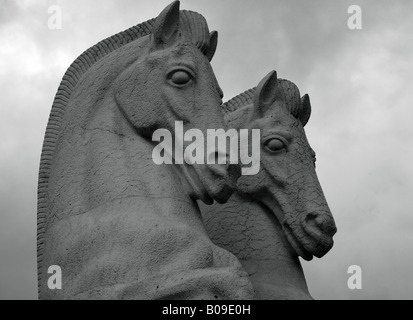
point(359, 81)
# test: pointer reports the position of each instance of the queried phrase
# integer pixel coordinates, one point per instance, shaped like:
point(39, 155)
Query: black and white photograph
point(206, 150)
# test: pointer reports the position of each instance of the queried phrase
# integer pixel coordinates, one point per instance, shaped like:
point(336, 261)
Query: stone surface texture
point(280, 213)
point(122, 227)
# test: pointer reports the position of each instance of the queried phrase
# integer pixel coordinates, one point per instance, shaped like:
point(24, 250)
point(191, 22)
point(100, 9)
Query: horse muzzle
point(312, 235)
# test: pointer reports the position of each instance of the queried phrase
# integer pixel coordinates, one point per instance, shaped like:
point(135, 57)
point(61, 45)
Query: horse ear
point(305, 110)
point(213, 41)
point(265, 94)
point(165, 31)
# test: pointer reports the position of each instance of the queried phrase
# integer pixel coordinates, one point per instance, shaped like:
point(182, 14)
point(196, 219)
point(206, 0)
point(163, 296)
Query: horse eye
point(180, 77)
point(274, 144)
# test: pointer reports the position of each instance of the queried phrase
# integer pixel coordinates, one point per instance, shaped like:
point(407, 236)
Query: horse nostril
point(219, 162)
point(218, 157)
point(234, 171)
point(321, 223)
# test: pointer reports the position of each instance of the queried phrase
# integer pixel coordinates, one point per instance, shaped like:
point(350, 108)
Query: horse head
point(118, 224)
point(173, 82)
point(287, 182)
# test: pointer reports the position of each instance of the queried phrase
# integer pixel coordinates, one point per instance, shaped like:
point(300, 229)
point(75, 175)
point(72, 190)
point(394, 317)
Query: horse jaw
point(304, 241)
point(192, 184)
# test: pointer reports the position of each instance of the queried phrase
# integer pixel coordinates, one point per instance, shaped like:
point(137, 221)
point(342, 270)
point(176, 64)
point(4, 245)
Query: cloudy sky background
point(359, 81)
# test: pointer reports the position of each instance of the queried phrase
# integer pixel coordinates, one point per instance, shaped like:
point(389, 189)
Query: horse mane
point(289, 91)
point(239, 101)
point(193, 23)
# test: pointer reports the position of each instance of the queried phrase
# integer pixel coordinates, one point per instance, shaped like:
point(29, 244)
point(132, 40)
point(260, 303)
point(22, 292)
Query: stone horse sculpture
point(280, 213)
point(118, 225)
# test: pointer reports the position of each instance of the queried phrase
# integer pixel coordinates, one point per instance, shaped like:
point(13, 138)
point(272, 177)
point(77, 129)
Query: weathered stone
point(120, 226)
point(280, 213)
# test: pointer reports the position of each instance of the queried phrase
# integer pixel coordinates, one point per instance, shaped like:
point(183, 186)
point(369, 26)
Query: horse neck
point(236, 118)
point(253, 234)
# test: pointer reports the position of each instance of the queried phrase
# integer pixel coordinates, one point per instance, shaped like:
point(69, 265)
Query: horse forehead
point(278, 117)
point(180, 53)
